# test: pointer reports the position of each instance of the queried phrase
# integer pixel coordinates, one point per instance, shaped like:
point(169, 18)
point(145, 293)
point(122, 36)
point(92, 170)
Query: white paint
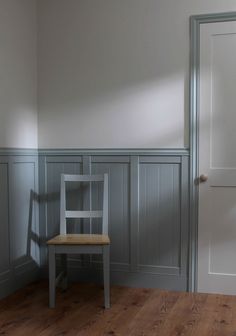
point(18, 71)
point(111, 73)
point(115, 73)
point(217, 152)
point(118, 120)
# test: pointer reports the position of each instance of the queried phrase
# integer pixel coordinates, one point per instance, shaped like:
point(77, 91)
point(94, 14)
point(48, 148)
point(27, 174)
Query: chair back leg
point(52, 275)
point(64, 282)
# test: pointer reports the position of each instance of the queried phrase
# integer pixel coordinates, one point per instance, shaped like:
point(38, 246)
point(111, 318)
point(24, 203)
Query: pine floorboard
point(134, 312)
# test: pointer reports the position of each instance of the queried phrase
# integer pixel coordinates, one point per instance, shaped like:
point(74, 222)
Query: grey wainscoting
point(148, 213)
point(19, 228)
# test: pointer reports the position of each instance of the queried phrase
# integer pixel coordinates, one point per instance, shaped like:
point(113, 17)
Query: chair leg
point(64, 268)
point(52, 275)
point(106, 275)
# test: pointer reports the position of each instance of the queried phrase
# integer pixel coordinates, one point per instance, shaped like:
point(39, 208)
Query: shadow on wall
point(31, 245)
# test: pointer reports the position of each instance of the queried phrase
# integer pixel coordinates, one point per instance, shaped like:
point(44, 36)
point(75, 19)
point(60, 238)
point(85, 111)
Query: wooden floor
point(134, 312)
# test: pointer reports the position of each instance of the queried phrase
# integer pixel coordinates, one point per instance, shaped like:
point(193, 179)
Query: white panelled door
point(217, 159)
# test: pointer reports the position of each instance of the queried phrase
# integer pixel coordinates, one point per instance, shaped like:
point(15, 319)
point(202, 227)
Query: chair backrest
point(64, 214)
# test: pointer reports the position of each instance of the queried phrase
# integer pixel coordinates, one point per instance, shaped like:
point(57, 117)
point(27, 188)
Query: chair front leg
point(52, 275)
point(106, 274)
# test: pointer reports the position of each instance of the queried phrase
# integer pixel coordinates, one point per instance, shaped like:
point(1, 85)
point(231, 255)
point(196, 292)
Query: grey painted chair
point(64, 243)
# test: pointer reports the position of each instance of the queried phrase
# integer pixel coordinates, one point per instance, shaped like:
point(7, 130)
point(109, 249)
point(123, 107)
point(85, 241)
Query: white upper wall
point(18, 74)
point(115, 73)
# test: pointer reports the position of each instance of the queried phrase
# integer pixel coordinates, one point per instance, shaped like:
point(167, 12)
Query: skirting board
point(125, 278)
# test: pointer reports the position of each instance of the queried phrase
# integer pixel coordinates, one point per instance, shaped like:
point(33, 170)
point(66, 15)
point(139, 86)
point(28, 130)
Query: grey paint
point(195, 22)
point(114, 151)
point(184, 217)
point(21, 183)
point(54, 169)
point(159, 217)
point(18, 152)
point(127, 185)
point(4, 230)
point(126, 278)
point(118, 207)
point(49, 171)
point(77, 249)
point(134, 211)
point(127, 218)
point(87, 197)
point(19, 235)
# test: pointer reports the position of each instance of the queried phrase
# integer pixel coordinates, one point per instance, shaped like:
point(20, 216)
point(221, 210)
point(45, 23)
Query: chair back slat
point(64, 213)
point(83, 178)
point(83, 214)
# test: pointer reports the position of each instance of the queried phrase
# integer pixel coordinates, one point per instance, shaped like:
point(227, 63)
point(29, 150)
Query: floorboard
point(134, 312)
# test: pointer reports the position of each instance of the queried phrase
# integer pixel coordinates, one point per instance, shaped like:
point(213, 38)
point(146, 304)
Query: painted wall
point(115, 73)
point(18, 74)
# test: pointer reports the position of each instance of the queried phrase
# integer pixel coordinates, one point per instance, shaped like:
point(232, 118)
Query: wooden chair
point(80, 243)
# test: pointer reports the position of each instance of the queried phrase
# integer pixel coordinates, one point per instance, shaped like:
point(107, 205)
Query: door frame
point(195, 22)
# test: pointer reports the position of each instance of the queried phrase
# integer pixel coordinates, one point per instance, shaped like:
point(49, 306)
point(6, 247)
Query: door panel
point(217, 159)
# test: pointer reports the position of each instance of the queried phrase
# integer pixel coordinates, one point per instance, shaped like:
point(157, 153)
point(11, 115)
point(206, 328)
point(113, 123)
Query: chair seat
point(80, 239)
